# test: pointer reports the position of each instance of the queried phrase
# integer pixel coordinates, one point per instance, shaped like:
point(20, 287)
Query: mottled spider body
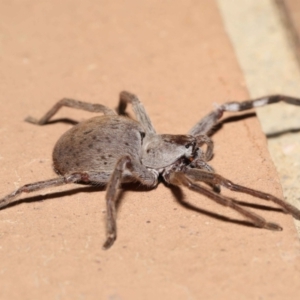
point(113, 149)
point(101, 150)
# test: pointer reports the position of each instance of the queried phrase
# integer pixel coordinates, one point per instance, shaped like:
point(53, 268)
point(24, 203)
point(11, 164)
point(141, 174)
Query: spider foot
point(273, 226)
point(109, 241)
point(31, 120)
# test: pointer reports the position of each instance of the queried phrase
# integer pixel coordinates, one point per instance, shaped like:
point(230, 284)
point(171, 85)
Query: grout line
point(270, 66)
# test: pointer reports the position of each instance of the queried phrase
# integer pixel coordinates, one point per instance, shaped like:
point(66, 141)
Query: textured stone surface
point(270, 67)
point(290, 12)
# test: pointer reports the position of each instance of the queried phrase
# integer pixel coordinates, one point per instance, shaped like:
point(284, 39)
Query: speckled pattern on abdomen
point(95, 145)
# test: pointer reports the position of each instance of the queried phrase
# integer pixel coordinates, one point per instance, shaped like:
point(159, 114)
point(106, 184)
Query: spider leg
point(213, 178)
point(200, 164)
point(73, 104)
point(204, 139)
point(138, 108)
point(138, 172)
point(178, 178)
point(32, 187)
point(209, 121)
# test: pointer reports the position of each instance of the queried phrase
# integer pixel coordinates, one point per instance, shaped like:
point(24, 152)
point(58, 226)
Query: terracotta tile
point(176, 56)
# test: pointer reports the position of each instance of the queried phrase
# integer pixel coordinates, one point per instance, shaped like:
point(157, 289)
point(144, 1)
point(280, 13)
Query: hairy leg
point(138, 108)
point(73, 104)
point(40, 185)
point(179, 178)
point(213, 178)
point(204, 139)
point(209, 121)
point(139, 173)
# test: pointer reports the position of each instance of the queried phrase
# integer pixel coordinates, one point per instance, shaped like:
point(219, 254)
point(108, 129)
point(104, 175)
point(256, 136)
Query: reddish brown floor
point(176, 56)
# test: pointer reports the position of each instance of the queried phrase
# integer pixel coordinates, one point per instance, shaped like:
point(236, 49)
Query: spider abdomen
point(96, 144)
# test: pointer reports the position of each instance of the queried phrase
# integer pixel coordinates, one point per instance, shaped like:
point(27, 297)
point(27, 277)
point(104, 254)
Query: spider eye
point(143, 134)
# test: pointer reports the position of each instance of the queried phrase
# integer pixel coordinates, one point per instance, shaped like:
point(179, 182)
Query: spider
point(113, 149)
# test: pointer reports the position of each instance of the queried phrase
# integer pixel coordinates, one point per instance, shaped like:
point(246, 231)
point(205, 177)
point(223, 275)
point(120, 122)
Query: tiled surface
point(178, 58)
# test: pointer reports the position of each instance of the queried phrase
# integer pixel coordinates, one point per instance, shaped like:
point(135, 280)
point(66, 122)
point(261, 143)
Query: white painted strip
point(270, 67)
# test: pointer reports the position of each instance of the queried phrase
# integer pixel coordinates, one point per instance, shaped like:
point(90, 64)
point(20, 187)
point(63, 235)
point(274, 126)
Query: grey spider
point(113, 149)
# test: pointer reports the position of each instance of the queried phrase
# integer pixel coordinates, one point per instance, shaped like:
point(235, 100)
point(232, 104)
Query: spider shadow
point(283, 132)
point(137, 187)
point(55, 195)
point(217, 127)
point(176, 191)
point(231, 119)
point(63, 120)
point(243, 116)
point(83, 188)
point(179, 196)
